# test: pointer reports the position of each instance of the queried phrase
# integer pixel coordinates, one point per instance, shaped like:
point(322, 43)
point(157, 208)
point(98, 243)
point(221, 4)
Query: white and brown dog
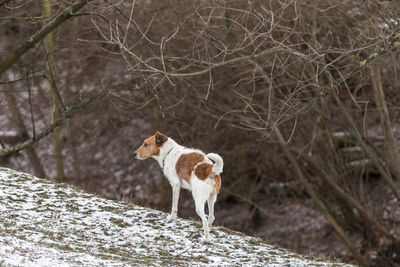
point(187, 168)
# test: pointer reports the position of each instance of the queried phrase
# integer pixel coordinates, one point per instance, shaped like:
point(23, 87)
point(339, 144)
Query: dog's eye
point(145, 145)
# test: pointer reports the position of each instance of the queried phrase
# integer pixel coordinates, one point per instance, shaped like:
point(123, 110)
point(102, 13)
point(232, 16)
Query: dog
point(186, 168)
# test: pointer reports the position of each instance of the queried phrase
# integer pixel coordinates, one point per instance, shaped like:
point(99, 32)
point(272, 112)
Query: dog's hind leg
point(211, 201)
point(175, 200)
point(200, 201)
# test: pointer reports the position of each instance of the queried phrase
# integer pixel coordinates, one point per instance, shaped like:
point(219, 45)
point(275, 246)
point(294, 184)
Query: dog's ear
point(160, 138)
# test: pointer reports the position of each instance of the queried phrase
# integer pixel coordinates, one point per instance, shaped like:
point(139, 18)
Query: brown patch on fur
point(160, 138)
point(217, 180)
point(185, 165)
point(203, 170)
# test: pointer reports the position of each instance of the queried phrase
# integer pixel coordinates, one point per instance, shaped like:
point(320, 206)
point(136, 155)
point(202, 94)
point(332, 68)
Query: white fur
point(202, 190)
point(219, 163)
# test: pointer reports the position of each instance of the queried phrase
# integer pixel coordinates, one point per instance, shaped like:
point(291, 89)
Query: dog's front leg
point(175, 200)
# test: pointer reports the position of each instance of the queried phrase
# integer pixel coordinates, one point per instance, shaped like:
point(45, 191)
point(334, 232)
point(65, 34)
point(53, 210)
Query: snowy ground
point(47, 224)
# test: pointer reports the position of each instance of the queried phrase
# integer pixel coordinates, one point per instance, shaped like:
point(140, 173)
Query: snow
point(48, 224)
point(8, 133)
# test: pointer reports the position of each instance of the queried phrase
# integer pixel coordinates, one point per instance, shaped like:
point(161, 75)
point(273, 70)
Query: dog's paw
point(171, 217)
point(206, 240)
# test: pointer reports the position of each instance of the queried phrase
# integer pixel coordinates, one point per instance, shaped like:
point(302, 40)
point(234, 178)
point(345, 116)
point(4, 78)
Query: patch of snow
point(47, 224)
point(8, 133)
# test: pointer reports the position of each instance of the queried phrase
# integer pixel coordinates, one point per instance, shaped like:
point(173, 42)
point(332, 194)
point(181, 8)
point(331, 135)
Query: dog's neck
point(165, 151)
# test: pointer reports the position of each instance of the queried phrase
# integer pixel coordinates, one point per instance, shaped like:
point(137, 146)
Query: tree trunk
point(390, 142)
point(54, 101)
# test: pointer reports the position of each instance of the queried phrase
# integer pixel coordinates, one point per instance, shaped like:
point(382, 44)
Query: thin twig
point(28, 84)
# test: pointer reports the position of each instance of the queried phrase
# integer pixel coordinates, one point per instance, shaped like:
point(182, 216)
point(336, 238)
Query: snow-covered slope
point(48, 224)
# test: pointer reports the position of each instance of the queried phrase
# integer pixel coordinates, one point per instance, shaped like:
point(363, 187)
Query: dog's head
point(151, 146)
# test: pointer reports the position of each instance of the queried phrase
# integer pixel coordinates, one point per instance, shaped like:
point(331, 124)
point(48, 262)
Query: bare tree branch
point(39, 35)
point(66, 114)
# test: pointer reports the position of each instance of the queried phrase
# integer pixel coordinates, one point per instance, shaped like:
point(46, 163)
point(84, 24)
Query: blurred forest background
point(300, 98)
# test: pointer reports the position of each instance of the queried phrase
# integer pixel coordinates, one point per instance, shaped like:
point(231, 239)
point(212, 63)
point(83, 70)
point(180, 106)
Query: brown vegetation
point(299, 97)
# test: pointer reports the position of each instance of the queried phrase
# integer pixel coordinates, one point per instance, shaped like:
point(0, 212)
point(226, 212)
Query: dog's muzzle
point(136, 155)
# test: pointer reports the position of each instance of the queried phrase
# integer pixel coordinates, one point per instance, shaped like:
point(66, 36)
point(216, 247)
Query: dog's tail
point(219, 163)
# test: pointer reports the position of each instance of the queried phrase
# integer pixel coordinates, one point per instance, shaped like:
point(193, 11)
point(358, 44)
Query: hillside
point(48, 224)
